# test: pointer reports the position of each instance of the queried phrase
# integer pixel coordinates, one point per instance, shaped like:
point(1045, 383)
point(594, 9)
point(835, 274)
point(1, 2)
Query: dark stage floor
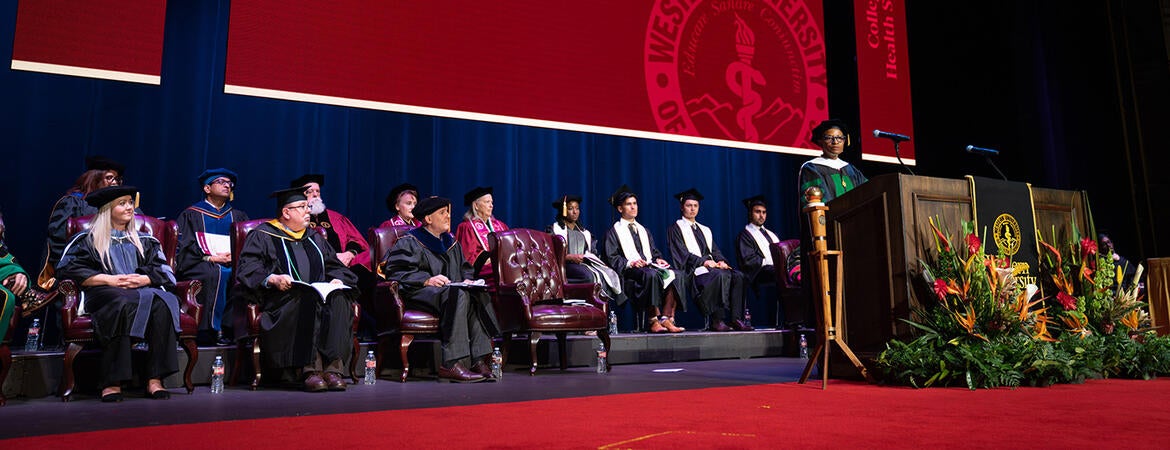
point(48, 415)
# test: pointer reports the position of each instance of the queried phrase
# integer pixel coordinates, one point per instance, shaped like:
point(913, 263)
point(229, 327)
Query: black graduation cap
point(429, 205)
point(689, 194)
point(392, 198)
point(620, 195)
point(210, 175)
point(100, 197)
point(562, 203)
point(751, 202)
point(286, 196)
point(826, 126)
point(103, 163)
point(308, 178)
point(476, 193)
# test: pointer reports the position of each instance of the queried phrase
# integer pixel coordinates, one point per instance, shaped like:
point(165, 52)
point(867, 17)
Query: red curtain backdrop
point(748, 74)
point(110, 39)
point(883, 78)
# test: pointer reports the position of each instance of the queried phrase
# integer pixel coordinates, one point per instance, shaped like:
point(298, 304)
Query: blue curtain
point(166, 135)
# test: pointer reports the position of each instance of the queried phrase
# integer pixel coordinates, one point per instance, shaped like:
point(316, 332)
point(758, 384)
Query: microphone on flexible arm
point(987, 154)
point(897, 138)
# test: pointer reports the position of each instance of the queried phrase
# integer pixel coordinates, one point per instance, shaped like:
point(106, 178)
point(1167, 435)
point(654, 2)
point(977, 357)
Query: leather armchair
point(248, 330)
point(789, 292)
point(530, 292)
point(392, 317)
point(78, 327)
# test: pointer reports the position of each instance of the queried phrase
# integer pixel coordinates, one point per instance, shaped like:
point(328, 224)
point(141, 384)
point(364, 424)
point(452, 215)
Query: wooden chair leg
point(192, 359)
point(67, 371)
point(533, 339)
point(603, 334)
point(256, 362)
point(404, 351)
point(5, 365)
point(563, 348)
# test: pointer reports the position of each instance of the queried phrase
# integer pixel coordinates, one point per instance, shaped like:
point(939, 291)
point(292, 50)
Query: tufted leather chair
point(248, 329)
point(78, 328)
point(789, 290)
point(531, 291)
point(392, 316)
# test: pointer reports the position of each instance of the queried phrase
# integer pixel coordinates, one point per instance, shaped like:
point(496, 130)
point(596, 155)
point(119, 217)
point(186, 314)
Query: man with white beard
point(345, 238)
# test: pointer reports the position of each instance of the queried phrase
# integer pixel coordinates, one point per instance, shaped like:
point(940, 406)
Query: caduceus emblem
point(741, 77)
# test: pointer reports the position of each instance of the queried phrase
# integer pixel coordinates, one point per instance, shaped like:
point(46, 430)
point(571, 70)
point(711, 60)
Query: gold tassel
point(232, 195)
point(565, 206)
point(137, 196)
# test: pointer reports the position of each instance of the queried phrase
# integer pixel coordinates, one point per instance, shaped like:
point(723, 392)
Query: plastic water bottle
point(612, 323)
point(497, 363)
point(803, 347)
point(371, 369)
point(747, 316)
point(602, 357)
point(217, 375)
point(34, 337)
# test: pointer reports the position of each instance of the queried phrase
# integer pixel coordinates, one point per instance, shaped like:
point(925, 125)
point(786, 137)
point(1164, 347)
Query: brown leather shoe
point(314, 383)
point(657, 327)
point(483, 367)
point(335, 382)
point(739, 325)
point(671, 327)
point(457, 374)
point(719, 326)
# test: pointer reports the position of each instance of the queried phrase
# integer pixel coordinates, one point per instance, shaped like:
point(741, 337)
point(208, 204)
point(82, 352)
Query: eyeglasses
point(114, 178)
point(833, 139)
point(304, 206)
point(225, 182)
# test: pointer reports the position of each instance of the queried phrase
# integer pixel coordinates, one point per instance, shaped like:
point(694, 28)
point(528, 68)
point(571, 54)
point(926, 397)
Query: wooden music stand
point(832, 304)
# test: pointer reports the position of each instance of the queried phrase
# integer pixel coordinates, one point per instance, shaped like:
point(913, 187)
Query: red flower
point(940, 289)
point(1107, 328)
point(973, 244)
point(1088, 247)
point(1067, 301)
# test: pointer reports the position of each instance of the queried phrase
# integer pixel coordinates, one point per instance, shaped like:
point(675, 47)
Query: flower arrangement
point(984, 328)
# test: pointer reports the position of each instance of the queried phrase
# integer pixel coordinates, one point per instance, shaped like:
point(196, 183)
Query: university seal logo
point(1006, 232)
point(744, 70)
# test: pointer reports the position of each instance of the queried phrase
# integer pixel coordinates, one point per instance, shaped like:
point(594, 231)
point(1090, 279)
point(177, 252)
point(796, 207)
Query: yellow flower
point(1132, 320)
point(1076, 323)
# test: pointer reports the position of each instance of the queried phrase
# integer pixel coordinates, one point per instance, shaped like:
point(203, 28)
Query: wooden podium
point(882, 226)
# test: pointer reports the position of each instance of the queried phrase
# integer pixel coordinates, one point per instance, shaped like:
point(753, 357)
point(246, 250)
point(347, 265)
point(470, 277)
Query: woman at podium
point(829, 172)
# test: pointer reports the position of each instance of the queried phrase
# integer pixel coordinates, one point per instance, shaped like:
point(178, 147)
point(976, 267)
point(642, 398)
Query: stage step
point(38, 374)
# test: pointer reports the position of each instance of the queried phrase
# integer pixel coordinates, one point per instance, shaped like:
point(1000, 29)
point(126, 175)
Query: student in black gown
point(647, 279)
point(425, 262)
point(582, 265)
point(718, 286)
point(200, 225)
point(300, 328)
point(752, 248)
point(123, 275)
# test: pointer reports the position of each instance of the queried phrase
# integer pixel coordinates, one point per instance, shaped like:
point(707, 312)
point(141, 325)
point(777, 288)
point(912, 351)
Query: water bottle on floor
point(747, 316)
point(34, 337)
point(217, 375)
point(371, 368)
point(602, 358)
point(612, 323)
point(803, 347)
point(497, 363)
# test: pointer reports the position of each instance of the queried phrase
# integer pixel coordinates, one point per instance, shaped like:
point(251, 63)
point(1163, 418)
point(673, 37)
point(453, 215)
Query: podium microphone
point(987, 154)
point(897, 138)
point(982, 151)
point(891, 136)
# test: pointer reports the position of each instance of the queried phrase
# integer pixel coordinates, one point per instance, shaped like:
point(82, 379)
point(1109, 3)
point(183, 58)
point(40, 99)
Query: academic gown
point(397, 221)
point(591, 269)
point(342, 234)
point(835, 177)
point(8, 300)
point(202, 217)
point(467, 320)
point(472, 236)
point(57, 234)
point(643, 285)
point(295, 324)
point(149, 313)
point(751, 257)
point(716, 289)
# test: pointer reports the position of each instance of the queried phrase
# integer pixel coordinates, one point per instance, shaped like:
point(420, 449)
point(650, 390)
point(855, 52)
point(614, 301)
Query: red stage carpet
point(1099, 414)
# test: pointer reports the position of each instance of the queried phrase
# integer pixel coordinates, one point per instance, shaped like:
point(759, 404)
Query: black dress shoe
point(161, 394)
point(458, 374)
point(113, 397)
point(719, 326)
point(739, 325)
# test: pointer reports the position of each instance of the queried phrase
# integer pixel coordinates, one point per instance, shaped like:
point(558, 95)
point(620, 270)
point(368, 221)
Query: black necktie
point(637, 240)
point(703, 248)
point(767, 235)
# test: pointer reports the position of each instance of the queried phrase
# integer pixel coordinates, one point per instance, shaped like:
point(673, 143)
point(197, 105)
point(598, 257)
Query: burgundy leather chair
point(530, 292)
point(394, 318)
point(5, 350)
point(788, 290)
point(78, 328)
point(252, 311)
